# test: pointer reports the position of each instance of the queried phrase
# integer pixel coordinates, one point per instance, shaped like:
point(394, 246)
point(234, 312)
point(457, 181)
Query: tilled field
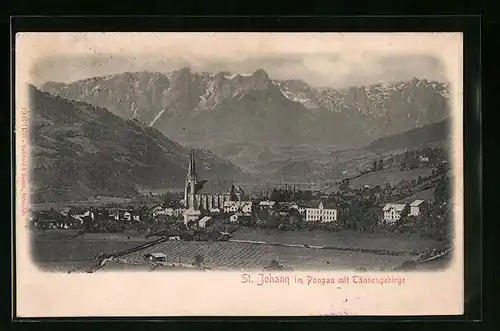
point(231, 255)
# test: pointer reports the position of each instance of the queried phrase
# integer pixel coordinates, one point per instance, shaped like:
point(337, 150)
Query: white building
point(233, 218)
point(234, 206)
point(321, 214)
point(191, 215)
point(204, 221)
point(157, 211)
point(267, 204)
point(230, 207)
point(392, 211)
point(415, 207)
point(179, 212)
point(127, 216)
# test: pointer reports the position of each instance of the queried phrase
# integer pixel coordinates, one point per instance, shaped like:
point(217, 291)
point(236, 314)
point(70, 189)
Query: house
point(215, 210)
point(233, 218)
point(179, 212)
point(392, 211)
point(415, 207)
point(191, 215)
point(156, 257)
point(321, 214)
point(230, 206)
point(169, 211)
point(127, 216)
point(267, 204)
point(157, 211)
point(246, 206)
point(114, 214)
point(234, 206)
point(204, 222)
point(424, 159)
point(238, 217)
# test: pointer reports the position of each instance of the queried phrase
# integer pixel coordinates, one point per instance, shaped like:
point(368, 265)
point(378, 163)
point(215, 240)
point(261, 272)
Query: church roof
point(216, 187)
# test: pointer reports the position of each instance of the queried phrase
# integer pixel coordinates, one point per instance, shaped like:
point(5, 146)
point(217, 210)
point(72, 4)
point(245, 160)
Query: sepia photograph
point(258, 155)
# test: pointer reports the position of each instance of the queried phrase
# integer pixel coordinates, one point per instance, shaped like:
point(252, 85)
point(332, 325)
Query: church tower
point(191, 180)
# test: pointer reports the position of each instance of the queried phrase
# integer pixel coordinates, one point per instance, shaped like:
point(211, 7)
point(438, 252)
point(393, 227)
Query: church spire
point(192, 165)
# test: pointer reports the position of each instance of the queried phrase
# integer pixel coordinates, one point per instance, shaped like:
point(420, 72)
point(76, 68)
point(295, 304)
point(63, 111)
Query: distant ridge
point(80, 150)
point(416, 138)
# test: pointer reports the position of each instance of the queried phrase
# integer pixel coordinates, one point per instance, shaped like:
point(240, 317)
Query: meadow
point(61, 249)
point(98, 201)
point(246, 256)
point(390, 177)
point(346, 239)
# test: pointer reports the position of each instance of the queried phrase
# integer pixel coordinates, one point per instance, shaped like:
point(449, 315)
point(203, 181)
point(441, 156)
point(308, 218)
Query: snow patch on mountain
point(157, 117)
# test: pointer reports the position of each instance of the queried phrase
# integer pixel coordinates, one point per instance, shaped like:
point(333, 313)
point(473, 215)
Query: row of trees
point(411, 160)
point(289, 195)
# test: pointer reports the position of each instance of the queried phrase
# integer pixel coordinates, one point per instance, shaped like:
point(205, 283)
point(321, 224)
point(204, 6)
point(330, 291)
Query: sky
point(319, 59)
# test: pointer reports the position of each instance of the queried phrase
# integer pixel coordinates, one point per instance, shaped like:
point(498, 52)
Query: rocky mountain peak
point(183, 99)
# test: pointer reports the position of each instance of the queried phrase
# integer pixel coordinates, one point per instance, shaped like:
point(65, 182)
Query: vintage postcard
point(239, 174)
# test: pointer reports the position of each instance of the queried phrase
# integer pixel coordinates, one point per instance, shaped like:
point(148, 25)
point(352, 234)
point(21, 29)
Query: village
point(201, 216)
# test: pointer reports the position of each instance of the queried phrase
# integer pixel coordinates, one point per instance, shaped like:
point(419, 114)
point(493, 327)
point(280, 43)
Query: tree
point(276, 195)
point(198, 260)
point(405, 212)
point(167, 199)
point(295, 219)
point(442, 190)
point(274, 265)
point(380, 166)
point(273, 221)
point(307, 195)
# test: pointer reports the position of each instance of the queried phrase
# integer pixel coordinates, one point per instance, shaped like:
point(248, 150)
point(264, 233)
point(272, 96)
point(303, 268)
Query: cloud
point(336, 60)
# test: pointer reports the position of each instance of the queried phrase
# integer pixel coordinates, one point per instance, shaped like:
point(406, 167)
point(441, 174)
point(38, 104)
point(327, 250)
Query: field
point(58, 249)
point(391, 177)
point(231, 255)
point(424, 195)
point(99, 201)
point(343, 239)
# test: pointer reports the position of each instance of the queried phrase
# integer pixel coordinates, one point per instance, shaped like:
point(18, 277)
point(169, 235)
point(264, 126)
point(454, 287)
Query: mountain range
point(81, 150)
point(215, 110)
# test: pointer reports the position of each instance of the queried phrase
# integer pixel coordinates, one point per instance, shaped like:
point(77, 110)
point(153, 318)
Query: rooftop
point(205, 219)
point(157, 255)
point(216, 187)
point(192, 211)
point(416, 203)
point(395, 206)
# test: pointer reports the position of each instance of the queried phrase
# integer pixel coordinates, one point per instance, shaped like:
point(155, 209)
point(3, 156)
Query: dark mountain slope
point(80, 150)
point(416, 138)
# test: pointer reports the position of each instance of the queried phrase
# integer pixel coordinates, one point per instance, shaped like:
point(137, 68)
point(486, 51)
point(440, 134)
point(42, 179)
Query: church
point(199, 197)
